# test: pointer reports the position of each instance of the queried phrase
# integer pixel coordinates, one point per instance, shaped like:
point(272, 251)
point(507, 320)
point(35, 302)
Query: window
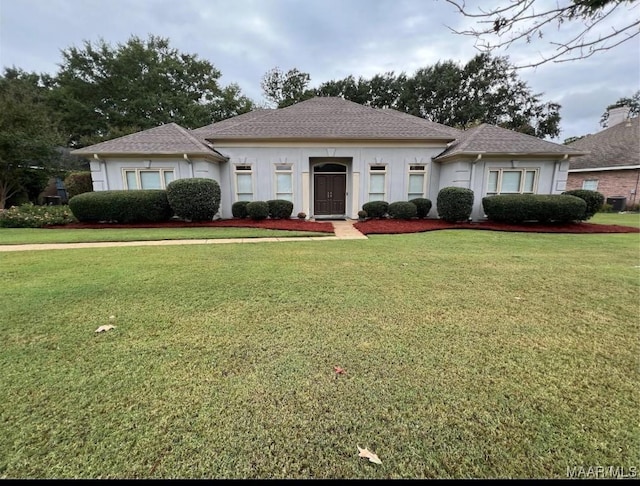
point(590, 184)
point(512, 181)
point(284, 182)
point(377, 182)
point(147, 179)
point(244, 183)
point(416, 181)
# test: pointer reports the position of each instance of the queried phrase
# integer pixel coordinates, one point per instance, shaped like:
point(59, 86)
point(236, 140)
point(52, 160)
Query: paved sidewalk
point(343, 230)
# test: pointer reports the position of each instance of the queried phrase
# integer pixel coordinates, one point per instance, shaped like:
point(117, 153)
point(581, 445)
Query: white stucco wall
point(263, 160)
point(473, 174)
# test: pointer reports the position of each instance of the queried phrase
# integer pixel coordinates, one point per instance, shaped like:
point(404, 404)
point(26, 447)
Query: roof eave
point(100, 155)
point(611, 167)
point(529, 155)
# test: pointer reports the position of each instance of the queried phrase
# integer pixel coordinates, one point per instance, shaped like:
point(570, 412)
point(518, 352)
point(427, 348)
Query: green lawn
point(18, 236)
point(467, 354)
point(625, 219)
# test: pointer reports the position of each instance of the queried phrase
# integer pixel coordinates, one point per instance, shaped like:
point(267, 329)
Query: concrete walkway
point(343, 230)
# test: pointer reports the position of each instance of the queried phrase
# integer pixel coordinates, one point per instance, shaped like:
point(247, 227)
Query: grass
point(624, 219)
point(467, 354)
point(17, 236)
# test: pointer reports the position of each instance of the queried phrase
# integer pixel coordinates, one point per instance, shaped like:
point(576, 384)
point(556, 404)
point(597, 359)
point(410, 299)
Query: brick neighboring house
point(613, 164)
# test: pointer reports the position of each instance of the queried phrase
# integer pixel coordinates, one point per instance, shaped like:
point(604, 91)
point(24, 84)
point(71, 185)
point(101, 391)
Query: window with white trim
point(284, 182)
point(147, 178)
point(512, 181)
point(244, 182)
point(377, 182)
point(417, 180)
point(590, 184)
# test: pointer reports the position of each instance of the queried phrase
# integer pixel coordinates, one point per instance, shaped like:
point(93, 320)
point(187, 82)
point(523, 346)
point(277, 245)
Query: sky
point(329, 39)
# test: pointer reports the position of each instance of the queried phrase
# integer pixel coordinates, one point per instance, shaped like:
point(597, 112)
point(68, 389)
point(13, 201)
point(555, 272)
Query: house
point(329, 156)
point(613, 165)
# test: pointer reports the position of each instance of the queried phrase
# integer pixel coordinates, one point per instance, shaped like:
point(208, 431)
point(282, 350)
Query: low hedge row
point(274, 209)
point(518, 208)
point(146, 205)
point(415, 208)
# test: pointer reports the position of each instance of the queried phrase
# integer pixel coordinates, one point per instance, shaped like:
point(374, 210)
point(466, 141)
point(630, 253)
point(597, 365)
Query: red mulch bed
point(371, 226)
point(391, 226)
point(277, 224)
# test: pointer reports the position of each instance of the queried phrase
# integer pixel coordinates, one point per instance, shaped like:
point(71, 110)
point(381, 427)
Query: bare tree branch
point(519, 21)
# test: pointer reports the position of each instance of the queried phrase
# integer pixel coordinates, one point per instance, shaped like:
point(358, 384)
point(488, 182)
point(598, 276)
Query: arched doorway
point(329, 189)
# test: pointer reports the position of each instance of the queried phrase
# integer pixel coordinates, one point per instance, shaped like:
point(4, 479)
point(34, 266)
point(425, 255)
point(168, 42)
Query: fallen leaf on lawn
point(369, 455)
point(105, 328)
point(112, 318)
point(338, 370)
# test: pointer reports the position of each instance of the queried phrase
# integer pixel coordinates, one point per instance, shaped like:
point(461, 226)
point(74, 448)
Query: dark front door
point(329, 194)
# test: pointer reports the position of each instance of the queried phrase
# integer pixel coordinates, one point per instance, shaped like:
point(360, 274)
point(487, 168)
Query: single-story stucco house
point(612, 166)
point(329, 156)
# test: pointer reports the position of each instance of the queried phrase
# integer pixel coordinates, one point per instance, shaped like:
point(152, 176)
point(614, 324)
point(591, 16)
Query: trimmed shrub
point(78, 183)
point(517, 208)
point(423, 206)
point(454, 204)
point(362, 214)
point(376, 209)
point(30, 216)
point(121, 206)
point(257, 210)
point(402, 210)
point(239, 209)
point(280, 208)
point(195, 199)
point(594, 200)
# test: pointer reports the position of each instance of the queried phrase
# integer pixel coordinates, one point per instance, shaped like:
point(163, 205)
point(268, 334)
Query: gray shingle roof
point(166, 139)
point(490, 139)
point(328, 118)
point(615, 146)
point(202, 132)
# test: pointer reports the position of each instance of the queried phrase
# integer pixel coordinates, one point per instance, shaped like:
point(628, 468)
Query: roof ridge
point(191, 137)
point(471, 136)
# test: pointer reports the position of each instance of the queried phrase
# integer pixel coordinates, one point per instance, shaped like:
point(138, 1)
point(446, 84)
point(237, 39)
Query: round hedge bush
point(454, 204)
point(280, 208)
point(121, 206)
point(544, 208)
point(376, 209)
point(402, 210)
point(423, 205)
point(257, 210)
point(195, 199)
point(239, 209)
point(594, 200)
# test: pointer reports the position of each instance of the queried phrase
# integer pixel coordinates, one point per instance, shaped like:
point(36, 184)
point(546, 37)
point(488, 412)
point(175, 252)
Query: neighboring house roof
point(493, 140)
point(327, 118)
point(616, 146)
point(169, 139)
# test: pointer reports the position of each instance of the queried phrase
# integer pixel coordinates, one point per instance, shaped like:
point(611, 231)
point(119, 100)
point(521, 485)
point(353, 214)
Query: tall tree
point(28, 135)
point(485, 90)
point(592, 28)
point(284, 89)
point(103, 91)
point(633, 102)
